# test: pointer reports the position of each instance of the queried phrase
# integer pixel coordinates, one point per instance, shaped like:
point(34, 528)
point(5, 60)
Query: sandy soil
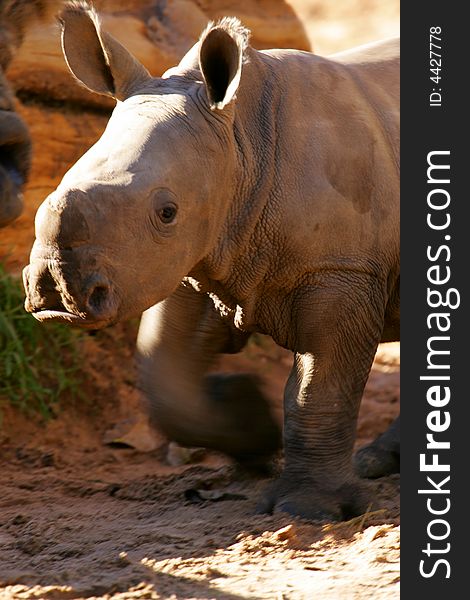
point(80, 518)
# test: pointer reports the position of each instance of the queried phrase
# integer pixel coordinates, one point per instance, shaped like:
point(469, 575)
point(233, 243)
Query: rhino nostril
point(98, 297)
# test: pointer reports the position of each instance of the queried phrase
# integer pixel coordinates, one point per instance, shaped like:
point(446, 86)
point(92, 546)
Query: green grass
point(38, 363)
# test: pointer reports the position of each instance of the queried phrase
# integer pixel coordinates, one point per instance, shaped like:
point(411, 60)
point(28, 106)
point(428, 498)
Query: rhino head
point(15, 141)
point(15, 150)
point(143, 207)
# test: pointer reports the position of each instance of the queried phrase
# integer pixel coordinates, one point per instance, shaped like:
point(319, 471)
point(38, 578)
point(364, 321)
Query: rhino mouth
point(15, 147)
point(11, 198)
point(11, 170)
point(62, 316)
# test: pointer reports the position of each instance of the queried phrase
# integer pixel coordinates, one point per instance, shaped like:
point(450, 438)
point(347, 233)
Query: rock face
point(158, 32)
point(65, 119)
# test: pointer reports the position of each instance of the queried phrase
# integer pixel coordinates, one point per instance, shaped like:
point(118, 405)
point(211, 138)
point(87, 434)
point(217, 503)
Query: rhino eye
point(167, 214)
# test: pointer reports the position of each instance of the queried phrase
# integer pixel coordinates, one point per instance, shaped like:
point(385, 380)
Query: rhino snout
point(49, 298)
point(61, 219)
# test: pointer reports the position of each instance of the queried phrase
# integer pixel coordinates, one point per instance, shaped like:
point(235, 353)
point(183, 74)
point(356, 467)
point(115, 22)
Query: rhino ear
point(221, 51)
point(96, 59)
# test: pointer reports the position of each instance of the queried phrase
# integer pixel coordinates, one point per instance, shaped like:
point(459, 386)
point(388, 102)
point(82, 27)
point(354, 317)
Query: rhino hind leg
point(179, 341)
point(382, 456)
point(240, 397)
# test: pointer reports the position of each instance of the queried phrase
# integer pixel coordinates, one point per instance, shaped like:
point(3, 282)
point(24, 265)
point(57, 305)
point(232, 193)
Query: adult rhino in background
point(15, 142)
point(243, 191)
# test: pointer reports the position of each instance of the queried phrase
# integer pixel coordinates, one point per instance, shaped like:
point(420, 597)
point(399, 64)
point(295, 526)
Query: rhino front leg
point(177, 343)
point(338, 329)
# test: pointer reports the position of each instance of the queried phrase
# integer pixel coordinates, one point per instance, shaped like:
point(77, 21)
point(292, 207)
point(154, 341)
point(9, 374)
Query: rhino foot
point(308, 500)
point(382, 457)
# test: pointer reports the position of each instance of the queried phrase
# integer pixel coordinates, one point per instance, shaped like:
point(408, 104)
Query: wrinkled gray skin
point(15, 142)
point(283, 168)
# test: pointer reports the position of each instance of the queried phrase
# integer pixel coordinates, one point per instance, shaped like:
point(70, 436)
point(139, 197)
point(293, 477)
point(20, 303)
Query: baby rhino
point(242, 191)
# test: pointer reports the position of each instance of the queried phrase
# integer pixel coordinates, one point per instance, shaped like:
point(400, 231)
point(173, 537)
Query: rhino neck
point(241, 261)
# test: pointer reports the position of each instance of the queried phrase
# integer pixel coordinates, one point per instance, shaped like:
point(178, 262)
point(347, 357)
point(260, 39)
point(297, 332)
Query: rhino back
point(328, 135)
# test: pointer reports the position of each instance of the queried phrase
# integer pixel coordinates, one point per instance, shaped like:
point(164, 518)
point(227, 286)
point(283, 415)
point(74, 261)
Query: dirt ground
point(83, 517)
point(95, 504)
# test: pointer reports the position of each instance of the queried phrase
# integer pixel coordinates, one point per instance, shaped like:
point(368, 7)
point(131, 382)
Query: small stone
point(177, 455)
point(288, 533)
